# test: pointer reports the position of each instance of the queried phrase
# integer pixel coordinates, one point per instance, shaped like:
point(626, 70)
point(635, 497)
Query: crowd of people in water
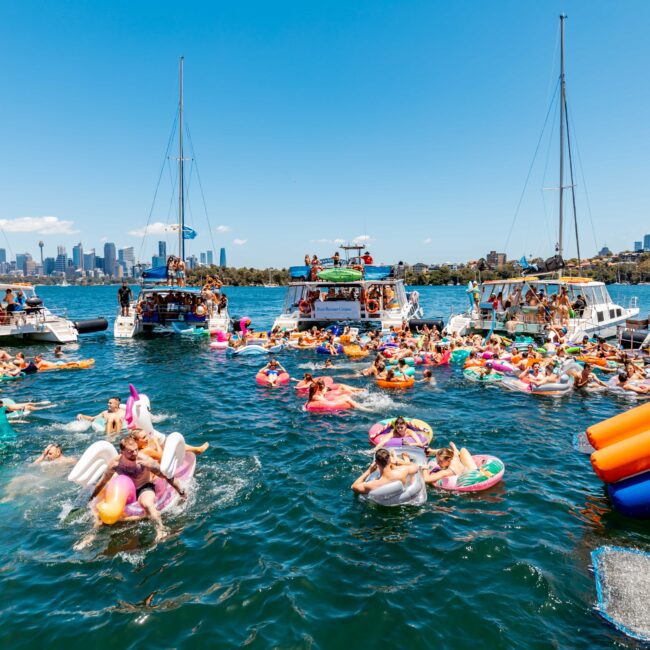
point(399, 358)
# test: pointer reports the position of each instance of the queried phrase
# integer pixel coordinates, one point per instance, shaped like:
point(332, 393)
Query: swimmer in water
point(272, 371)
point(388, 472)
point(114, 416)
point(142, 470)
point(451, 461)
point(53, 454)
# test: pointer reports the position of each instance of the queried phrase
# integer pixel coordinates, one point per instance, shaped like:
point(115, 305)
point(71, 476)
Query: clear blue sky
point(412, 123)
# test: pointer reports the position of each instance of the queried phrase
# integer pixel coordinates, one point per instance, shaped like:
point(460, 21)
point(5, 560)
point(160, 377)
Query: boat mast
point(181, 188)
point(562, 108)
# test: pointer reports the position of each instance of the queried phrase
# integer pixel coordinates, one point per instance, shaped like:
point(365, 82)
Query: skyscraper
point(49, 265)
point(646, 242)
point(89, 260)
point(162, 250)
point(109, 258)
point(21, 260)
point(222, 258)
point(61, 264)
point(638, 246)
point(210, 258)
point(3, 255)
point(127, 259)
point(202, 256)
point(78, 256)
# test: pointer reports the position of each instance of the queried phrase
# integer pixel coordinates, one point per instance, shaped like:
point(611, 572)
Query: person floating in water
point(114, 416)
point(142, 470)
point(53, 453)
point(389, 471)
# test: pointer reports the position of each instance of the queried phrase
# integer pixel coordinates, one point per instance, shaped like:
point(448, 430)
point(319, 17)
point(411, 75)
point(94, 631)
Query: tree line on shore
point(602, 270)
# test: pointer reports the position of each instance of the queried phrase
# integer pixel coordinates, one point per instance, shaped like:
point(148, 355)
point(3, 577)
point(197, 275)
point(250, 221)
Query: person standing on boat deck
point(336, 258)
point(307, 260)
point(171, 270)
point(124, 297)
point(180, 273)
point(579, 306)
point(10, 300)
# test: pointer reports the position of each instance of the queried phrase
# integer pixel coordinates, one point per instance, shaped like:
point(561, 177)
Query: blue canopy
point(158, 273)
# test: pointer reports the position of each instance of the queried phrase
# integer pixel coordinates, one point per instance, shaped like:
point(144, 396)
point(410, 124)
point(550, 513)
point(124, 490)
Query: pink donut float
point(219, 345)
point(334, 404)
point(378, 433)
point(502, 366)
point(490, 471)
point(304, 388)
point(263, 379)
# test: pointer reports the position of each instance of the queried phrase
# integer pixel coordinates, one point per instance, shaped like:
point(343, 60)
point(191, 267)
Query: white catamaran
point(24, 316)
point(162, 307)
point(544, 296)
point(347, 291)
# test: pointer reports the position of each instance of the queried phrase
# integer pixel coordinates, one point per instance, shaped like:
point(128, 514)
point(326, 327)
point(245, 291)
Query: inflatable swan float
point(118, 499)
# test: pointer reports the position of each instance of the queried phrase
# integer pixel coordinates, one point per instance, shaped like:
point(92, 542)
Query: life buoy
point(314, 272)
point(304, 307)
point(372, 306)
point(359, 267)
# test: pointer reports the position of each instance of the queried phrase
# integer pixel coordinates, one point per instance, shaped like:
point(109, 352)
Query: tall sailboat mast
point(181, 188)
point(562, 109)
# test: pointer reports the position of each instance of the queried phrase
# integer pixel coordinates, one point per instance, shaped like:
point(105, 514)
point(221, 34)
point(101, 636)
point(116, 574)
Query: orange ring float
point(359, 267)
point(396, 383)
point(372, 306)
point(304, 307)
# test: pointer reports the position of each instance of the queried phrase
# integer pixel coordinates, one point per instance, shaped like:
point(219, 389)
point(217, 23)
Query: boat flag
point(523, 262)
point(188, 233)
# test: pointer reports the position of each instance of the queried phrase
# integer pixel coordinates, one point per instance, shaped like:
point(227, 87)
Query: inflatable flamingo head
point(221, 336)
point(244, 322)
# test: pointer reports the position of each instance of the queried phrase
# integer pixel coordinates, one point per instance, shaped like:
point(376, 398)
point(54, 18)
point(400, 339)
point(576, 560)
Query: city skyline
point(115, 262)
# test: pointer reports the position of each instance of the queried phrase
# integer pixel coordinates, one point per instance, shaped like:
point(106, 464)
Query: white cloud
point(40, 225)
point(223, 229)
point(327, 241)
point(239, 242)
point(427, 240)
point(361, 239)
point(157, 228)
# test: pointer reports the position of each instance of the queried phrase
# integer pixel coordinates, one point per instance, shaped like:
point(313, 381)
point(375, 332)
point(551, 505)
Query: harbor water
point(272, 549)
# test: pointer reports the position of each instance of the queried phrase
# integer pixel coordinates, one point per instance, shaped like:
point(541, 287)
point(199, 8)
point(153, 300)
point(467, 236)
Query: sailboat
point(270, 283)
point(161, 307)
point(515, 307)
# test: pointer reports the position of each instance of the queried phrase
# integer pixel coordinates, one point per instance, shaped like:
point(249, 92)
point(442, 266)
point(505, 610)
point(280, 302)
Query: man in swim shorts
point(114, 416)
point(124, 296)
point(388, 472)
point(142, 470)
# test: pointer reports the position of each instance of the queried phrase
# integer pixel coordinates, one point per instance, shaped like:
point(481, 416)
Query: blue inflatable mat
point(622, 588)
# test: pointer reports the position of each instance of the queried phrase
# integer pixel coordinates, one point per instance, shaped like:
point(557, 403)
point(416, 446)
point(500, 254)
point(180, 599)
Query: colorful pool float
point(263, 379)
point(490, 471)
point(420, 433)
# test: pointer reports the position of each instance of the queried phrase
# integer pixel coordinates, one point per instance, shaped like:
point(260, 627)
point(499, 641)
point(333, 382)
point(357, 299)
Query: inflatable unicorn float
point(117, 501)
